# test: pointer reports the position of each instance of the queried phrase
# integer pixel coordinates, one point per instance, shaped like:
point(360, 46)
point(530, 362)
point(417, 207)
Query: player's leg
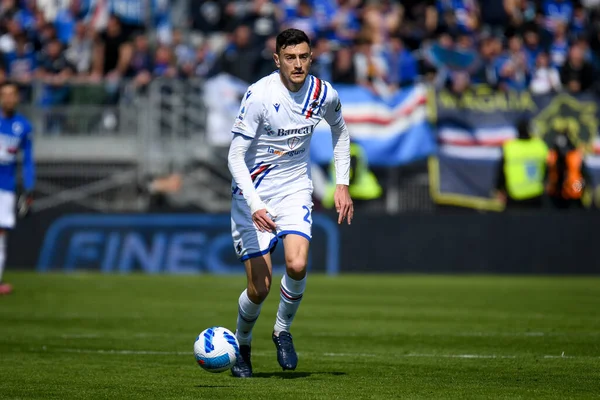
point(292, 288)
point(5, 288)
point(7, 222)
point(295, 225)
point(253, 248)
point(258, 274)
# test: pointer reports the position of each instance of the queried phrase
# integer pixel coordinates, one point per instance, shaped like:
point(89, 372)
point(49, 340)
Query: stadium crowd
point(545, 45)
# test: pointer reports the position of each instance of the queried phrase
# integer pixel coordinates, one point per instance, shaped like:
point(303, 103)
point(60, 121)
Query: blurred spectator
point(545, 78)
point(417, 21)
point(494, 17)
point(238, 56)
point(26, 15)
point(42, 32)
point(532, 46)
point(65, 21)
point(460, 82)
point(460, 14)
point(201, 65)
point(512, 66)
point(577, 75)
point(566, 173)
point(322, 64)
point(262, 18)
point(132, 14)
point(54, 70)
point(80, 49)
point(371, 68)
point(137, 16)
point(489, 49)
point(8, 9)
point(521, 13)
point(556, 12)
point(265, 64)
point(21, 63)
point(403, 66)
point(141, 63)
point(344, 70)
point(580, 22)
point(183, 51)
point(380, 19)
point(522, 170)
point(303, 20)
point(51, 8)
point(163, 65)
point(559, 48)
point(345, 23)
point(7, 41)
point(207, 16)
point(112, 51)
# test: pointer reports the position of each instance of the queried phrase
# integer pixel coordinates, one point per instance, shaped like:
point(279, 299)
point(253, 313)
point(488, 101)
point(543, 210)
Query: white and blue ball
point(216, 349)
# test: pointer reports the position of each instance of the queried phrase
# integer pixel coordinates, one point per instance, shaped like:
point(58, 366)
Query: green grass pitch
point(91, 336)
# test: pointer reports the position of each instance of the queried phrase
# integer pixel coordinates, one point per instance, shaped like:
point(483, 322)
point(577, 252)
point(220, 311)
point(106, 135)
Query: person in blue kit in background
point(15, 136)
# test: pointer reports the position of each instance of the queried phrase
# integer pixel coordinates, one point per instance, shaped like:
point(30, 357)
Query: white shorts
point(7, 209)
point(293, 217)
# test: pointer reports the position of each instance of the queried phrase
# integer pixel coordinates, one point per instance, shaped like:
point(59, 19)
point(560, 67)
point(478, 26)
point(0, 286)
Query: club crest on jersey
point(293, 142)
point(276, 106)
point(17, 128)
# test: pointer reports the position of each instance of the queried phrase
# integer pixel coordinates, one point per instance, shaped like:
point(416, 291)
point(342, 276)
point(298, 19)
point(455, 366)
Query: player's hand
point(24, 204)
point(343, 204)
point(263, 219)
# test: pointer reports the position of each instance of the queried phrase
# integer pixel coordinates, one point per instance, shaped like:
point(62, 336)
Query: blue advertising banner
point(471, 129)
point(162, 243)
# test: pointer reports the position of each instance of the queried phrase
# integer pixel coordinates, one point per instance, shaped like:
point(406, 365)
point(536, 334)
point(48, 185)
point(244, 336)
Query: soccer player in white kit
point(272, 187)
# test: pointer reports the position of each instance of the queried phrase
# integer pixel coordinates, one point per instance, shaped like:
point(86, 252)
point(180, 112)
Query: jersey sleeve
point(250, 115)
point(333, 108)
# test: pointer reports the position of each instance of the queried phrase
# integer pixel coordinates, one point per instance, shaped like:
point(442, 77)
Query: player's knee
point(296, 267)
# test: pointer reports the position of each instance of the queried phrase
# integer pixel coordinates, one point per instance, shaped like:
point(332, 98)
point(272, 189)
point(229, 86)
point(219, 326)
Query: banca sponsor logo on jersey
point(305, 130)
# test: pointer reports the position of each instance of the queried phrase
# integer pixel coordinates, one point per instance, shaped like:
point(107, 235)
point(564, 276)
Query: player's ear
point(276, 59)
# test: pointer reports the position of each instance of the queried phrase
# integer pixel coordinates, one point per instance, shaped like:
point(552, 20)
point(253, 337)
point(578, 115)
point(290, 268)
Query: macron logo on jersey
point(276, 106)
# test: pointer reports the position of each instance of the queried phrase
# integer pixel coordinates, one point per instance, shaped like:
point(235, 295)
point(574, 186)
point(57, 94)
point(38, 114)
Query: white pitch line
point(327, 354)
point(459, 334)
point(417, 355)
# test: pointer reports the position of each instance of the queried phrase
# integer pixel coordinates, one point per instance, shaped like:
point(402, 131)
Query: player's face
point(294, 63)
point(8, 98)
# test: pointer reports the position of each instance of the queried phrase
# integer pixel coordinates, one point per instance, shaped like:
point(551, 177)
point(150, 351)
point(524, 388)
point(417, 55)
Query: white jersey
point(280, 124)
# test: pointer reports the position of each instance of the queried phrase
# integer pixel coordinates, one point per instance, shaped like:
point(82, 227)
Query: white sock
point(248, 313)
point(290, 297)
point(2, 253)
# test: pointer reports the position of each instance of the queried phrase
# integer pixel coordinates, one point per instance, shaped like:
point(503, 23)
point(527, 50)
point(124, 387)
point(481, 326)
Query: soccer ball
point(216, 349)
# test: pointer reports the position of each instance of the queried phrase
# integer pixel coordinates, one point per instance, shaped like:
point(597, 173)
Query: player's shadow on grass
point(293, 374)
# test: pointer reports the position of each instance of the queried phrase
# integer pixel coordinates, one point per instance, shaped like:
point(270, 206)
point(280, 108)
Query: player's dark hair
point(290, 37)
